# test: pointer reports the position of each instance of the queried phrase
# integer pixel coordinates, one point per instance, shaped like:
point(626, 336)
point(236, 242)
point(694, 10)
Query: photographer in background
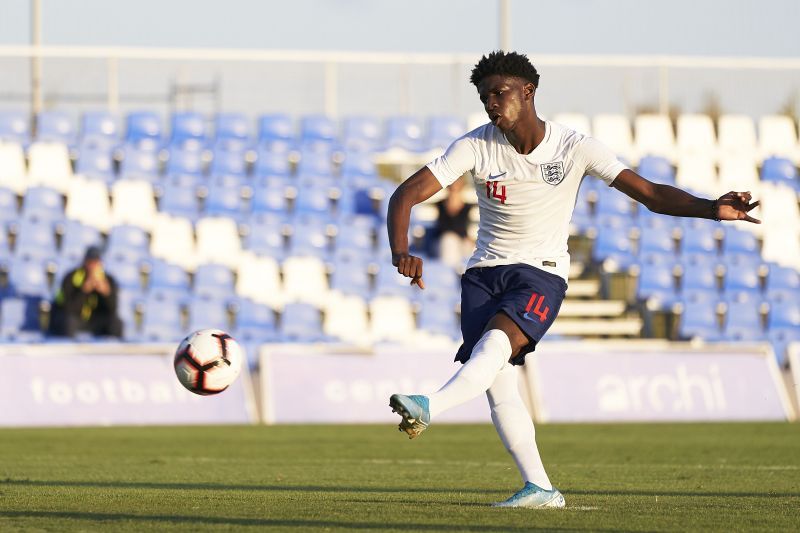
point(87, 301)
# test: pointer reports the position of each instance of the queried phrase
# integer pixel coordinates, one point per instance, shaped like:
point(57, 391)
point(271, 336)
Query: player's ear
point(529, 90)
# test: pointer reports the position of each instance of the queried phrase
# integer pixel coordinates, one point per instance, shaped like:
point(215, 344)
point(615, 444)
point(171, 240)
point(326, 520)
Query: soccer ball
point(208, 361)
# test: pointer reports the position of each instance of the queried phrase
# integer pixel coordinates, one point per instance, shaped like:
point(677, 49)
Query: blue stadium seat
point(309, 237)
point(355, 236)
point(784, 313)
point(188, 127)
point(76, 239)
point(698, 277)
point(779, 170)
point(99, 128)
point(744, 317)
point(224, 198)
point(612, 202)
point(657, 240)
point(96, 162)
point(301, 322)
point(317, 132)
point(126, 273)
point(213, 281)
point(614, 244)
point(187, 160)
point(312, 201)
point(657, 281)
point(270, 164)
point(228, 162)
point(161, 319)
point(127, 303)
point(350, 277)
point(438, 318)
point(406, 133)
point(28, 278)
point(443, 130)
point(389, 283)
point(180, 200)
point(358, 165)
point(266, 239)
point(269, 196)
point(43, 204)
point(741, 277)
point(5, 250)
point(315, 164)
point(255, 322)
point(8, 208)
point(782, 278)
point(276, 126)
point(130, 242)
point(55, 126)
point(19, 319)
point(35, 239)
point(168, 277)
point(144, 128)
point(698, 240)
point(207, 312)
point(739, 241)
point(232, 131)
point(361, 134)
point(657, 169)
point(14, 127)
point(139, 163)
point(440, 279)
point(780, 338)
point(699, 319)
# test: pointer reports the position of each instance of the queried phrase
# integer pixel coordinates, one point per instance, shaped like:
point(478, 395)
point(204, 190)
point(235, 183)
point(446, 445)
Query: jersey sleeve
point(457, 159)
point(600, 161)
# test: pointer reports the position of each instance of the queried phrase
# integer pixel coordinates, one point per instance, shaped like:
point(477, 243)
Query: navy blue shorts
point(530, 296)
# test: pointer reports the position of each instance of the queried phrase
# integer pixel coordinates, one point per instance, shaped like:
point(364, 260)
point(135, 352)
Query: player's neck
point(527, 134)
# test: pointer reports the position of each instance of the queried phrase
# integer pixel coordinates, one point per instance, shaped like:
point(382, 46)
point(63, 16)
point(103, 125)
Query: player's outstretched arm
point(668, 200)
point(418, 188)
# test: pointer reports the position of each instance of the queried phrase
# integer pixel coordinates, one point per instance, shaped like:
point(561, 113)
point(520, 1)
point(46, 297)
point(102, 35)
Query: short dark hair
point(504, 64)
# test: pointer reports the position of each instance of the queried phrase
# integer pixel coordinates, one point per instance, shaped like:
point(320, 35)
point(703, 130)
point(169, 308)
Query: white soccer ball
point(208, 361)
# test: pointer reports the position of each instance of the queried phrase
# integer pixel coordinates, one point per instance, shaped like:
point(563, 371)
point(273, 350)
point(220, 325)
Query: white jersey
point(525, 200)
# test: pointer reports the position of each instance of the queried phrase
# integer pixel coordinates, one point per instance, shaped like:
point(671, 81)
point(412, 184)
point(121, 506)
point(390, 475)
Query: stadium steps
point(597, 327)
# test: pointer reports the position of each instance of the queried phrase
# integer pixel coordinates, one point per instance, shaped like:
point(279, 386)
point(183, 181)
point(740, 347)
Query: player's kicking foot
point(534, 496)
point(415, 413)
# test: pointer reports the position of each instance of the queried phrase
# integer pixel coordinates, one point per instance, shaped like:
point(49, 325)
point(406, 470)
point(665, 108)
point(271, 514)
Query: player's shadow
point(219, 486)
point(109, 519)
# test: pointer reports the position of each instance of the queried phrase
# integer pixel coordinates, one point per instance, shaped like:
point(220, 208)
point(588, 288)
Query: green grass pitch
point(692, 477)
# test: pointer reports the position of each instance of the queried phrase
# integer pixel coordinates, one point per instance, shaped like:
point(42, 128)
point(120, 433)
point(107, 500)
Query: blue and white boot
point(533, 496)
point(415, 413)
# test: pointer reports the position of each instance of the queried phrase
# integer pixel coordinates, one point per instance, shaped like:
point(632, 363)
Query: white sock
point(515, 426)
point(488, 356)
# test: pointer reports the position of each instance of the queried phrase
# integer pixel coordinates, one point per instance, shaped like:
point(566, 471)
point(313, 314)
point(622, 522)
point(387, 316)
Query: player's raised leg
point(515, 428)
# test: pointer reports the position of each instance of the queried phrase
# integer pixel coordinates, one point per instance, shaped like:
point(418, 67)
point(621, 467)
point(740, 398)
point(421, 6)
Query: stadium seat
point(208, 312)
point(95, 162)
point(737, 135)
point(777, 137)
point(49, 165)
point(615, 132)
point(698, 239)
point(317, 132)
point(55, 126)
point(15, 128)
point(161, 319)
point(188, 160)
point(255, 322)
point(576, 121)
point(780, 338)
point(405, 133)
point(782, 248)
point(697, 173)
point(232, 131)
point(128, 242)
point(739, 241)
point(126, 273)
point(358, 165)
point(313, 165)
point(312, 201)
point(780, 277)
point(218, 241)
point(35, 239)
point(361, 134)
point(780, 170)
point(612, 202)
point(392, 319)
point(164, 276)
point(737, 173)
point(613, 248)
point(224, 198)
point(656, 168)
point(144, 129)
point(213, 281)
point(276, 126)
point(350, 277)
point(173, 241)
point(310, 237)
point(784, 313)
point(744, 318)
point(438, 317)
point(355, 236)
point(180, 200)
point(270, 164)
point(19, 319)
point(390, 283)
point(44, 204)
point(698, 278)
point(699, 319)
point(13, 171)
point(188, 127)
point(87, 202)
point(741, 276)
point(443, 130)
point(656, 281)
point(345, 318)
point(657, 240)
point(139, 163)
point(654, 136)
point(99, 128)
point(695, 136)
point(8, 208)
point(133, 202)
point(27, 277)
point(77, 237)
point(266, 237)
point(259, 279)
point(301, 322)
point(305, 280)
point(228, 162)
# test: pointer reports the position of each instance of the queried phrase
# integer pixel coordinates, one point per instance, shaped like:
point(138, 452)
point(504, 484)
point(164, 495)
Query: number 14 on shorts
point(537, 307)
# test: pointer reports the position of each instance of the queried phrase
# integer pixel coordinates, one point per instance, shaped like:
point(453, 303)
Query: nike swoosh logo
point(490, 178)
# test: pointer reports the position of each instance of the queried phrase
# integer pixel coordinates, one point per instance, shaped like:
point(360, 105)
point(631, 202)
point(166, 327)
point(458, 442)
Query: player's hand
point(735, 206)
point(410, 266)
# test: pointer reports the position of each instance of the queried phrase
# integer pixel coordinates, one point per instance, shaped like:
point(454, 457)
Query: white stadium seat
point(49, 165)
point(392, 319)
point(13, 173)
point(695, 135)
point(133, 203)
point(259, 278)
point(87, 202)
point(777, 137)
point(218, 241)
point(615, 132)
point(697, 173)
point(737, 173)
point(654, 136)
point(577, 121)
point(305, 280)
point(173, 241)
point(346, 318)
point(737, 136)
